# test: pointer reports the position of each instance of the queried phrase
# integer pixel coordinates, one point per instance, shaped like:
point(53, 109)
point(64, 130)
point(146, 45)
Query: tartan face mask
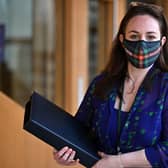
point(142, 54)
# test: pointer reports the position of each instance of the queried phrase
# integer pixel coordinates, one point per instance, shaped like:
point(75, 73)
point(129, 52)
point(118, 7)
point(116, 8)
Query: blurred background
point(56, 47)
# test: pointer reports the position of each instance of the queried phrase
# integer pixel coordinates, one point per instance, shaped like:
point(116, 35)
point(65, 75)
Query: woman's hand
point(108, 161)
point(65, 156)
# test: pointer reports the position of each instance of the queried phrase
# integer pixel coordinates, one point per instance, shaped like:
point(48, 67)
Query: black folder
point(58, 128)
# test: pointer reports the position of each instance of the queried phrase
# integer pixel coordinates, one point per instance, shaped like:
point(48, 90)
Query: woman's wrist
point(120, 161)
point(134, 159)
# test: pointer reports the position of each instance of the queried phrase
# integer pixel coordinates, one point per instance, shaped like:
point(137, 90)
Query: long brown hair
point(116, 68)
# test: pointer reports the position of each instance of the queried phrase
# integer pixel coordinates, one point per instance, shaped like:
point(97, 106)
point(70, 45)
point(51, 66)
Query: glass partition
point(28, 28)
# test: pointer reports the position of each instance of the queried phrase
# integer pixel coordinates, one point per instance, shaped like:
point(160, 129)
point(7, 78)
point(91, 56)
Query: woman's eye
point(133, 37)
point(151, 38)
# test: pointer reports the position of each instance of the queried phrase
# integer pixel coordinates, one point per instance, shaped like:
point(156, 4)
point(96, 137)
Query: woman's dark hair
point(116, 69)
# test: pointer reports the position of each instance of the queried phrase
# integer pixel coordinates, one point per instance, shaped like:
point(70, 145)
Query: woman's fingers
point(65, 156)
point(62, 151)
point(101, 154)
point(58, 154)
point(71, 157)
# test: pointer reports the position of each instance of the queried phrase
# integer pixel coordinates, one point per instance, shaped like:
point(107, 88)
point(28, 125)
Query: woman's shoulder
point(159, 74)
point(163, 76)
point(162, 79)
point(97, 78)
point(95, 82)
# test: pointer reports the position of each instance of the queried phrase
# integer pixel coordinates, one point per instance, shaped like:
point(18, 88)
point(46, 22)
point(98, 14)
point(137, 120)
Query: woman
point(126, 106)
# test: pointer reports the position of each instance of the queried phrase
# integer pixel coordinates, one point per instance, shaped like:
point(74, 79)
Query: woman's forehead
point(143, 23)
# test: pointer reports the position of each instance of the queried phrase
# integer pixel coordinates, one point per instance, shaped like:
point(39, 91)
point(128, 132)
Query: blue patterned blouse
point(144, 127)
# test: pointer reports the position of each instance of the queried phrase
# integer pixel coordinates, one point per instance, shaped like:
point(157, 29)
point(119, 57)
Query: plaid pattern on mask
point(142, 53)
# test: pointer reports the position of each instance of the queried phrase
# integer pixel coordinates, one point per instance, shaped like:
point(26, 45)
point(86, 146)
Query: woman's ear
point(121, 38)
point(163, 40)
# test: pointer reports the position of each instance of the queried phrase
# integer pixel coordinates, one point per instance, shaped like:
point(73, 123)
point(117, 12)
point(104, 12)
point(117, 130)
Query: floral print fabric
point(145, 126)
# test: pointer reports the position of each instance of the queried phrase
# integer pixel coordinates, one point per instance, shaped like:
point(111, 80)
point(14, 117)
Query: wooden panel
point(76, 52)
point(59, 53)
point(110, 14)
point(164, 5)
point(19, 149)
point(121, 10)
point(105, 30)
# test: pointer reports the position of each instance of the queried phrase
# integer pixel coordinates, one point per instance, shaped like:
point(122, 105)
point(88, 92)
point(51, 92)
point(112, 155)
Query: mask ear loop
point(161, 46)
point(161, 40)
point(122, 41)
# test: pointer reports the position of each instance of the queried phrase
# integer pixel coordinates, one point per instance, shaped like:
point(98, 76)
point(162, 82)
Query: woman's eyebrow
point(150, 32)
point(133, 31)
